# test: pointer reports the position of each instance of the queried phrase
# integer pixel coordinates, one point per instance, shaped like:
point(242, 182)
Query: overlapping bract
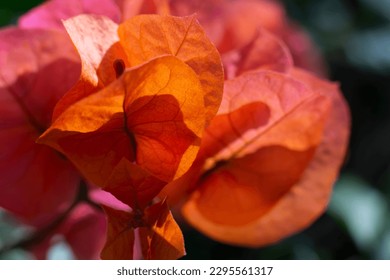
point(269, 158)
point(268, 171)
point(234, 24)
point(157, 234)
point(38, 185)
point(131, 130)
point(141, 121)
point(32, 173)
point(230, 24)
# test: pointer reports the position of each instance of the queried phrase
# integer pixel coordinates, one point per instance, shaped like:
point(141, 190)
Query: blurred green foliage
point(363, 212)
point(11, 10)
point(10, 232)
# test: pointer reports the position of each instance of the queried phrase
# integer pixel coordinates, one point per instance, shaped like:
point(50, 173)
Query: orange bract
point(233, 24)
point(134, 121)
point(132, 185)
point(146, 36)
point(153, 114)
point(146, 117)
point(263, 52)
point(152, 236)
point(265, 108)
point(150, 96)
point(96, 40)
point(268, 159)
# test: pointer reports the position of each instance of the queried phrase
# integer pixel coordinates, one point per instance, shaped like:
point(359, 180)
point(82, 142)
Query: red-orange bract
point(135, 119)
point(36, 182)
point(158, 235)
point(230, 24)
point(234, 24)
point(269, 158)
point(158, 109)
point(148, 89)
point(38, 185)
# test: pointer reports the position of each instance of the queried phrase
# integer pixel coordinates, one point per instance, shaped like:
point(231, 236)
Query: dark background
point(354, 36)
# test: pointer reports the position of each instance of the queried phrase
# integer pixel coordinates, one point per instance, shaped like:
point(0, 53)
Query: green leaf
point(361, 208)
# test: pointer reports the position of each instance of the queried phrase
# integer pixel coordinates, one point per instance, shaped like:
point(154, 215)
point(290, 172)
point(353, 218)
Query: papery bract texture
point(37, 183)
point(135, 120)
point(146, 121)
point(50, 14)
point(268, 159)
point(264, 52)
point(233, 24)
point(145, 117)
point(151, 36)
point(153, 236)
point(229, 24)
point(153, 114)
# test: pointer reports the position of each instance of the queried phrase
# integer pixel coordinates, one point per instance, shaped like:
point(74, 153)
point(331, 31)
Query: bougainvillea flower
point(274, 180)
point(135, 119)
point(229, 24)
point(152, 114)
point(143, 113)
point(268, 159)
point(38, 67)
point(50, 14)
point(153, 235)
point(265, 52)
point(233, 24)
